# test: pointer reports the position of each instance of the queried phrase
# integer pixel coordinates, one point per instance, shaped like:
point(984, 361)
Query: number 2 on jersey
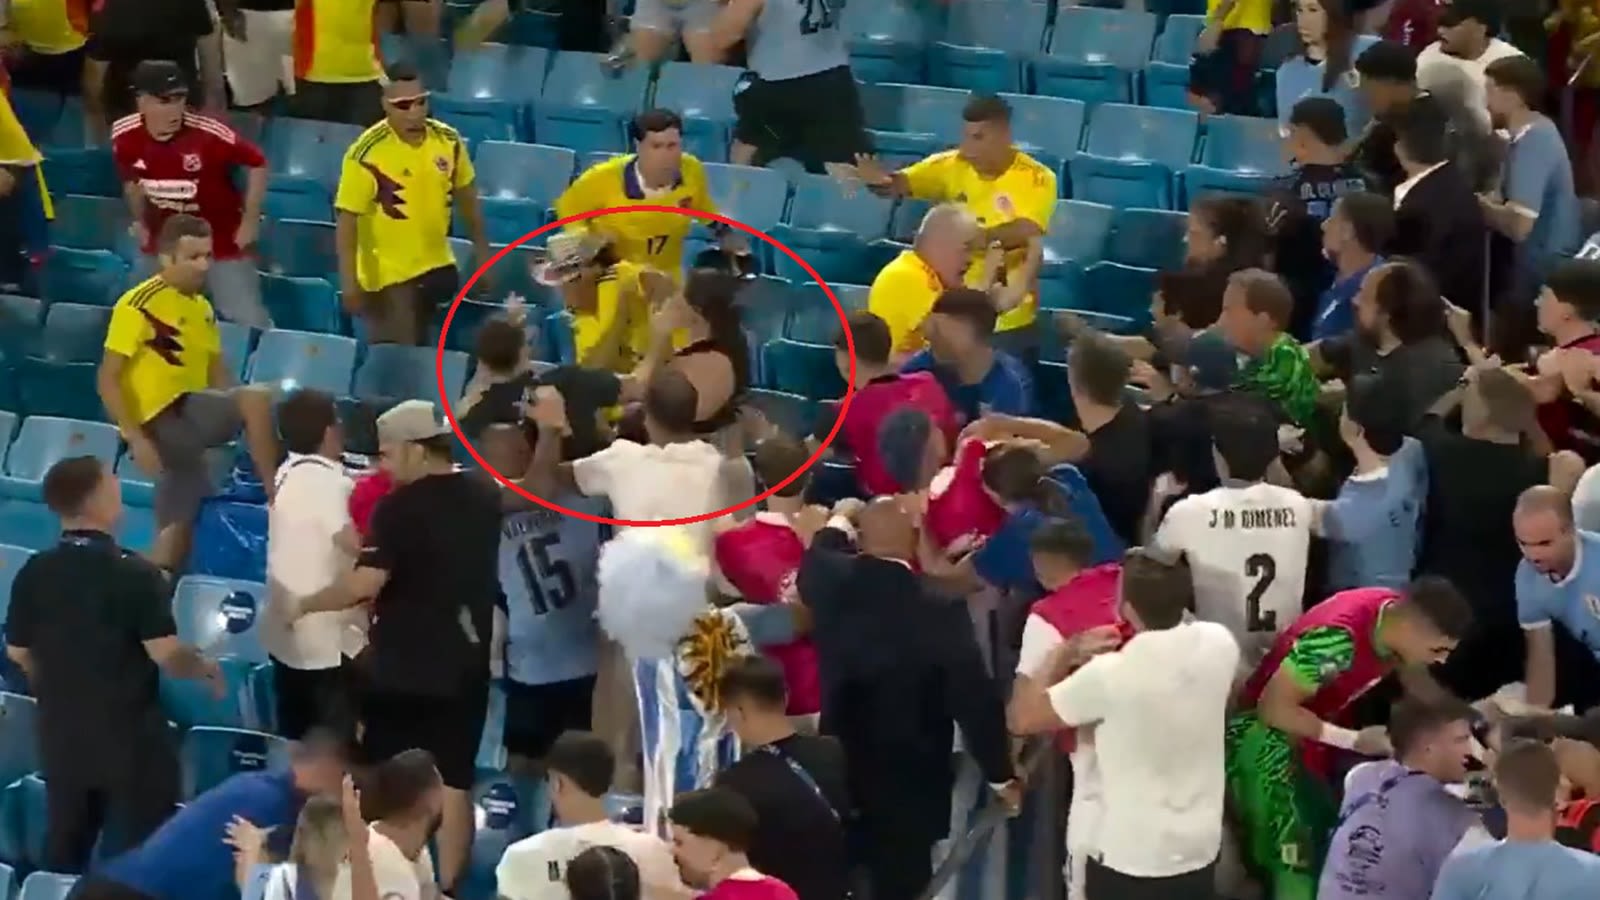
point(1264, 569)
point(818, 16)
point(550, 581)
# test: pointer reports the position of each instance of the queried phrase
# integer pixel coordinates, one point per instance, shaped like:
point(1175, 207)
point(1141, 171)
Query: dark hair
point(499, 345)
point(603, 872)
point(778, 457)
point(1323, 117)
point(1382, 427)
point(874, 345)
point(713, 295)
point(1422, 132)
point(654, 121)
point(1017, 475)
point(401, 70)
point(986, 108)
point(585, 758)
point(1520, 74)
point(1576, 282)
point(1445, 608)
point(177, 228)
point(1241, 222)
point(967, 305)
point(1245, 436)
point(716, 813)
point(1192, 293)
point(671, 400)
point(1265, 295)
point(1158, 585)
point(757, 678)
point(304, 418)
point(1527, 776)
point(1371, 218)
point(395, 786)
point(1338, 38)
point(1389, 61)
point(1409, 299)
point(70, 482)
point(1066, 538)
point(1412, 720)
point(1099, 368)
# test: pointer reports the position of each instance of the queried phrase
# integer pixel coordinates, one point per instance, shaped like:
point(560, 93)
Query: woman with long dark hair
point(1323, 61)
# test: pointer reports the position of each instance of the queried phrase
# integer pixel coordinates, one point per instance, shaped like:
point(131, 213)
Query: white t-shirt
point(1436, 70)
point(1162, 811)
point(1247, 548)
point(312, 504)
point(1586, 501)
point(398, 878)
point(535, 868)
point(646, 482)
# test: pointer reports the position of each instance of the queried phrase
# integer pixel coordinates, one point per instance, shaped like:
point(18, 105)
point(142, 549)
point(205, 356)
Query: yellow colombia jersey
point(50, 27)
point(1251, 15)
point(169, 338)
point(651, 239)
point(902, 295)
point(1027, 190)
point(335, 41)
point(620, 308)
point(402, 196)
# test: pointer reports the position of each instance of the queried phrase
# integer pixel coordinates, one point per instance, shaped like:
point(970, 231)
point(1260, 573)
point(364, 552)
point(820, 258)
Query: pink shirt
point(369, 489)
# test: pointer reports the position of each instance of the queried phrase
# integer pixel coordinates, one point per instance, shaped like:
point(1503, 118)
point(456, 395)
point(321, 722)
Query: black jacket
point(1440, 224)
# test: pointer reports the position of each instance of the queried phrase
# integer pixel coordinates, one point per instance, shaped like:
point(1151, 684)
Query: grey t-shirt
point(796, 38)
point(1397, 826)
point(1414, 375)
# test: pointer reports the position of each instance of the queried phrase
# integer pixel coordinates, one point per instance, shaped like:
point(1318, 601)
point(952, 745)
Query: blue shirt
point(1372, 526)
point(185, 859)
point(1336, 308)
point(1006, 559)
point(1006, 389)
point(1299, 78)
point(548, 576)
point(1574, 601)
point(1519, 870)
point(1538, 178)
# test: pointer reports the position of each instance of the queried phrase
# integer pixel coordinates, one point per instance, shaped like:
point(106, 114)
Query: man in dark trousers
point(900, 667)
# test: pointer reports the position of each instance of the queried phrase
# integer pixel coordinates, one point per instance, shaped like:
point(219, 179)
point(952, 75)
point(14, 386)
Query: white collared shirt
point(1436, 70)
point(1405, 187)
point(311, 506)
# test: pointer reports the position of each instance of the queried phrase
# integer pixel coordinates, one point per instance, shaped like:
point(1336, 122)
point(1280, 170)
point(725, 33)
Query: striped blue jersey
point(548, 563)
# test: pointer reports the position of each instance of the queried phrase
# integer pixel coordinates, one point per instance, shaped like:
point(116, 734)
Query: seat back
point(498, 72)
point(43, 440)
point(392, 371)
point(1144, 134)
point(308, 149)
point(1078, 232)
point(1051, 124)
point(96, 277)
point(1175, 44)
point(221, 615)
point(19, 736)
point(299, 248)
point(529, 171)
point(820, 204)
point(210, 756)
point(302, 303)
point(1244, 144)
point(1114, 37)
point(756, 197)
point(1148, 238)
point(302, 359)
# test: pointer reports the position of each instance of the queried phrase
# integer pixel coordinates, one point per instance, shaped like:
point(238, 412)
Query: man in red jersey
point(881, 390)
point(760, 559)
point(1278, 744)
point(174, 161)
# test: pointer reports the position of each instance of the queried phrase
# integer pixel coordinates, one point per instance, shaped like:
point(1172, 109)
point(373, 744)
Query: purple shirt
point(1395, 829)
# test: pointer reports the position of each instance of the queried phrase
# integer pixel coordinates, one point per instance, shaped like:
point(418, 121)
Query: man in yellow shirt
point(398, 184)
point(610, 300)
point(43, 41)
point(336, 68)
point(165, 384)
point(659, 173)
point(1012, 196)
point(904, 291)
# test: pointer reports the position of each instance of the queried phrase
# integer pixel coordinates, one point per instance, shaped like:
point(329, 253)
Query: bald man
point(904, 291)
point(1558, 600)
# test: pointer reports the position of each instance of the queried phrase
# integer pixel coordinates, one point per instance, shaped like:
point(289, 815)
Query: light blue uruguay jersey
point(1573, 600)
point(548, 564)
point(1373, 526)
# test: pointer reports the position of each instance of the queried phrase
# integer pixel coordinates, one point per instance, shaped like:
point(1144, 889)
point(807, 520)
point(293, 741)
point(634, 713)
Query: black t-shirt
point(1120, 468)
point(438, 538)
point(799, 835)
point(134, 30)
point(1414, 376)
point(1300, 204)
point(585, 392)
point(83, 609)
point(1181, 436)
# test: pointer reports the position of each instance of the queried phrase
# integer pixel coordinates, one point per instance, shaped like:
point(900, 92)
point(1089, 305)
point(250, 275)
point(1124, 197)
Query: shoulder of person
point(443, 131)
point(364, 142)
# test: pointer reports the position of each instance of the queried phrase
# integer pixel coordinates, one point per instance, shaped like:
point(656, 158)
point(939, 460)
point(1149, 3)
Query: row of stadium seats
point(37, 886)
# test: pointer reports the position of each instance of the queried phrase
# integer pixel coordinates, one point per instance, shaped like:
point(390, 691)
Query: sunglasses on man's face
point(408, 102)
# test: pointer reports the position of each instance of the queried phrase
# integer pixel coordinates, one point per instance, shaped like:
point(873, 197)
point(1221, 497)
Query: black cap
point(159, 78)
point(1488, 13)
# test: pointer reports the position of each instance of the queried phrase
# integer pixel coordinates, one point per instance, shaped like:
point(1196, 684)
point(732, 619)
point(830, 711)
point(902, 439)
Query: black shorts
point(315, 698)
point(352, 103)
point(57, 73)
point(779, 118)
point(537, 714)
point(401, 313)
point(450, 728)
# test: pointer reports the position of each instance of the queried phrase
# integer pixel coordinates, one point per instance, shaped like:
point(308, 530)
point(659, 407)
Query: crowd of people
point(1303, 597)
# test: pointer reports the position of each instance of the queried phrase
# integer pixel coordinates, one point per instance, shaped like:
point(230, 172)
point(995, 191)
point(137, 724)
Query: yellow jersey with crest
point(1025, 190)
point(169, 339)
point(649, 239)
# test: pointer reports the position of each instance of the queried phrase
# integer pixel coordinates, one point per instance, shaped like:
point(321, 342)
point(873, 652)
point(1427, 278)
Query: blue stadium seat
point(756, 197)
point(987, 45)
point(813, 320)
point(90, 223)
point(138, 489)
point(83, 276)
point(1094, 54)
point(887, 39)
point(19, 737)
point(42, 441)
point(791, 412)
point(21, 319)
point(1147, 238)
point(918, 119)
point(534, 172)
point(297, 197)
point(74, 333)
point(1075, 240)
point(464, 324)
point(138, 531)
point(1119, 290)
point(392, 372)
point(83, 170)
point(307, 149)
point(831, 230)
point(11, 560)
point(70, 129)
point(8, 881)
point(303, 359)
point(477, 120)
point(906, 219)
point(22, 812)
point(299, 248)
point(36, 110)
point(212, 755)
point(47, 886)
point(497, 72)
point(1131, 155)
point(264, 697)
point(302, 304)
point(504, 810)
point(1049, 128)
point(505, 219)
point(221, 615)
point(66, 390)
point(703, 96)
point(805, 369)
point(1166, 76)
point(584, 105)
point(1239, 155)
point(191, 703)
point(235, 345)
point(24, 523)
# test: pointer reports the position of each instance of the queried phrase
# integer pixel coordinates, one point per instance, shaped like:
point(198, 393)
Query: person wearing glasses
point(398, 184)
